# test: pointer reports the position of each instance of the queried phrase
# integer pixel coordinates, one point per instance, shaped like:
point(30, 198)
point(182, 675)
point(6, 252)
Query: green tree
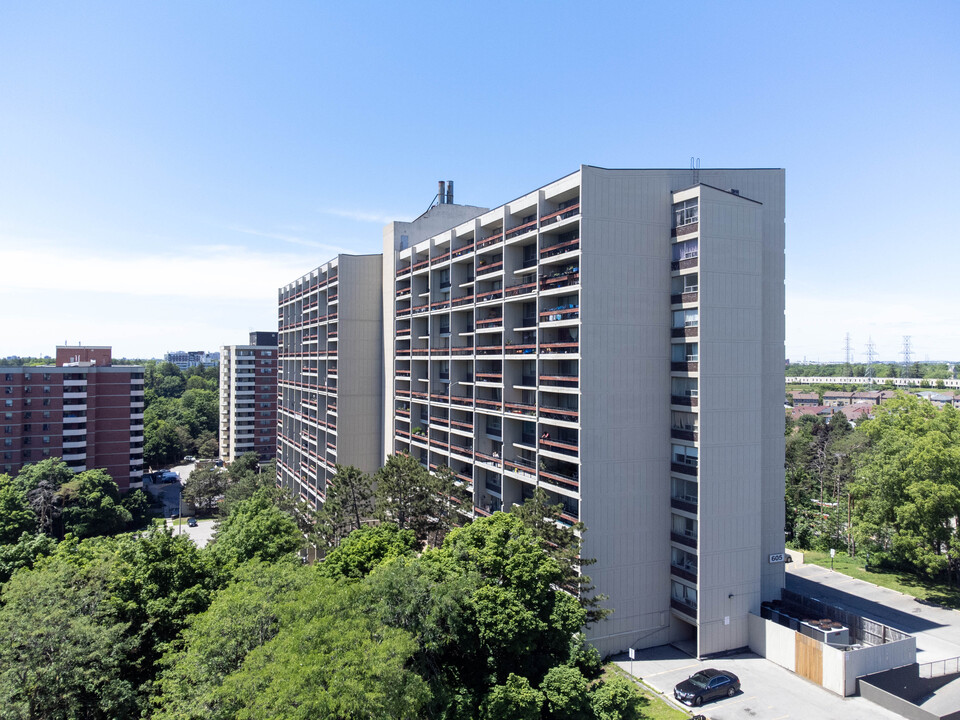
point(348, 505)
point(617, 699)
point(243, 616)
point(256, 528)
point(404, 494)
point(565, 691)
point(92, 506)
point(366, 548)
point(204, 487)
point(563, 543)
point(61, 651)
point(16, 515)
point(514, 699)
point(24, 553)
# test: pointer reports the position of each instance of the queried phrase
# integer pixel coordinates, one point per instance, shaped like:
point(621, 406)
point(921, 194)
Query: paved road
point(769, 692)
point(201, 535)
point(937, 629)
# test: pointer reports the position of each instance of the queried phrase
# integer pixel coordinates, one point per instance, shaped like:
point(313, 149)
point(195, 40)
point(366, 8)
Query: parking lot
point(769, 692)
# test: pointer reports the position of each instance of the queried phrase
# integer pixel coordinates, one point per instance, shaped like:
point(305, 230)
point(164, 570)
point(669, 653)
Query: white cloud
point(363, 216)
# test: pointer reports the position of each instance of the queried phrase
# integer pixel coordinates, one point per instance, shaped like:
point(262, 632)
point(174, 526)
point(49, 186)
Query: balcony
point(687, 400)
point(687, 229)
point(560, 279)
point(561, 312)
point(440, 258)
point(526, 349)
point(560, 248)
point(420, 265)
point(560, 479)
point(494, 239)
point(491, 459)
point(685, 503)
point(521, 466)
point(560, 348)
point(685, 264)
point(462, 300)
point(565, 447)
point(570, 381)
point(683, 433)
point(489, 350)
point(485, 404)
point(563, 214)
point(417, 309)
point(560, 413)
point(684, 539)
point(486, 323)
point(521, 229)
point(525, 409)
point(490, 295)
point(489, 267)
point(403, 271)
point(440, 304)
point(460, 425)
point(684, 366)
point(463, 250)
point(520, 289)
point(490, 377)
point(462, 350)
point(684, 468)
point(687, 331)
point(463, 400)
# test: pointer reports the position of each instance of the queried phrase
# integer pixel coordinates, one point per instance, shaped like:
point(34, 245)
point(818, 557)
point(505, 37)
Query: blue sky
point(164, 167)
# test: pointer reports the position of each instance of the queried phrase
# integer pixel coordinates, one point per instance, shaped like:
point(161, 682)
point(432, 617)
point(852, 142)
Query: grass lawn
point(907, 583)
point(656, 708)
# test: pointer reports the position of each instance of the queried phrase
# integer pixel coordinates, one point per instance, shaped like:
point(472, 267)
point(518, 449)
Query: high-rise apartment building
point(83, 409)
point(615, 338)
point(248, 397)
point(192, 358)
point(331, 374)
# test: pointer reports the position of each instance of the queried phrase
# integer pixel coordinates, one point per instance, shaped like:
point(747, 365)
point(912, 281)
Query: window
point(8, 456)
point(46, 389)
point(46, 427)
point(686, 318)
point(46, 402)
point(689, 283)
point(26, 390)
point(686, 212)
point(27, 415)
point(680, 420)
point(684, 352)
point(46, 414)
point(8, 429)
point(46, 439)
point(27, 453)
point(686, 250)
point(8, 442)
point(683, 559)
point(27, 428)
point(46, 452)
point(27, 402)
point(684, 526)
point(683, 387)
point(46, 377)
point(8, 377)
point(8, 416)
point(683, 593)
point(8, 390)
point(685, 455)
point(683, 489)
point(8, 402)
point(27, 376)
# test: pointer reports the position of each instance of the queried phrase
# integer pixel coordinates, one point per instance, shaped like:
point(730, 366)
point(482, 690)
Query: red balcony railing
point(489, 377)
point(564, 347)
point(521, 409)
point(563, 447)
point(521, 289)
point(421, 264)
point(463, 250)
point(553, 217)
point(555, 314)
point(462, 425)
point(489, 404)
point(496, 460)
point(462, 350)
point(558, 478)
point(441, 258)
point(560, 380)
point(559, 413)
point(490, 322)
point(487, 268)
point(462, 300)
point(561, 280)
point(490, 295)
point(525, 349)
point(491, 240)
point(520, 229)
point(560, 248)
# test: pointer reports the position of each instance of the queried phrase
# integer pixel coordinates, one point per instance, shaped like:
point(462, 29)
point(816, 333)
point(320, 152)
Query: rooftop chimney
point(449, 192)
point(441, 192)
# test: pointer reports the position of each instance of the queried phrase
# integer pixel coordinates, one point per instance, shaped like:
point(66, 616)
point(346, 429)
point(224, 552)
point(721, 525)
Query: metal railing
point(939, 668)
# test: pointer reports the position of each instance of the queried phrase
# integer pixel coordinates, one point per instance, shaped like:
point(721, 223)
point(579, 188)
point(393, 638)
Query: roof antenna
point(695, 166)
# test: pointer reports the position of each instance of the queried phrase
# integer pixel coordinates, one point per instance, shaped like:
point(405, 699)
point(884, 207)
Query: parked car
point(706, 685)
point(189, 458)
point(192, 522)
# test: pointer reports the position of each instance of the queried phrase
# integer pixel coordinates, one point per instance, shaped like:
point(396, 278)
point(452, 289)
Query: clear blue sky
point(164, 167)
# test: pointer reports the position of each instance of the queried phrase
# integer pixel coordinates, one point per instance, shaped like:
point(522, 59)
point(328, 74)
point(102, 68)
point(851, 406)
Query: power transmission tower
point(848, 353)
point(906, 352)
point(871, 357)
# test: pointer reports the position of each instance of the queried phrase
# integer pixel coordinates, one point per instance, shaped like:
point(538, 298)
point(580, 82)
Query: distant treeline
point(929, 371)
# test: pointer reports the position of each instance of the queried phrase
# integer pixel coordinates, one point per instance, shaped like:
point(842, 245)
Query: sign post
point(832, 554)
point(633, 656)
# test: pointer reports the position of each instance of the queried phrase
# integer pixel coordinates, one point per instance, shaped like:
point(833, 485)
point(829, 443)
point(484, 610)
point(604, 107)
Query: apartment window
point(27, 428)
point(683, 559)
point(46, 439)
point(689, 283)
point(683, 387)
point(27, 390)
point(46, 427)
point(8, 429)
point(27, 453)
point(27, 402)
point(46, 402)
point(8, 403)
point(8, 416)
point(46, 377)
point(680, 420)
point(8, 456)
point(685, 455)
point(686, 250)
point(46, 389)
point(686, 318)
point(8, 442)
point(684, 594)
point(682, 489)
point(685, 352)
point(46, 414)
point(686, 212)
point(27, 376)
point(27, 415)
point(8, 377)
point(27, 441)
point(266, 353)
point(46, 452)
point(683, 526)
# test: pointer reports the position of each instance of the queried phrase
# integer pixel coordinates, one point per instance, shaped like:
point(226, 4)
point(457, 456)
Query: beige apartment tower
point(330, 388)
point(248, 397)
point(616, 338)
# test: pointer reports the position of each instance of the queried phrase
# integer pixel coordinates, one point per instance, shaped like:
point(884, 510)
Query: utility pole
point(871, 357)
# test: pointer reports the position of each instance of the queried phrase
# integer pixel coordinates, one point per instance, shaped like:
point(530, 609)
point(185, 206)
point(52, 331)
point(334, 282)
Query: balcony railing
point(489, 350)
point(565, 448)
point(560, 413)
point(462, 300)
point(489, 267)
point(560, 380)
point(560, 280)
point(520, 289)
point(684, 264)
point(489, 404)
point(683, 434)
point(685, 503)
point(553, 217)
point(491, 240)
point(684, 297)
point(562, 347)
point(489, 295)
point(521, 409)
point(521, 465)
point(560, 248)
point(561, 479)
point(403, 291)
point(489, 377)
point(440, 304)
point(562, 312)
point(420, 308)
point(494, 459)
point(683, 468)
point(520, 229)
point(462, 425)
point(689, 331)
point(463, 250)
point(490, 322)
point(684, 539)
point(684, 366)
point(441, 258)
point(420, 265)
point(527, 349)
point(403, 271)
point(685, 607)
point(684, 400)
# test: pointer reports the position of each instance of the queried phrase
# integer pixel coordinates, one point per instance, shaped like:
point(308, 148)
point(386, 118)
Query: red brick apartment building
point(84, 409)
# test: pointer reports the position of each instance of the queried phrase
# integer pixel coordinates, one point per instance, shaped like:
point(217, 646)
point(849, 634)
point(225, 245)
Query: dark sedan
point(707, 685)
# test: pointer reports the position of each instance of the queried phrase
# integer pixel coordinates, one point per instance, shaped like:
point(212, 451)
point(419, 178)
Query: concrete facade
point(84, 410)
point(615, 338)
point(248, 397)
point(331, 374)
